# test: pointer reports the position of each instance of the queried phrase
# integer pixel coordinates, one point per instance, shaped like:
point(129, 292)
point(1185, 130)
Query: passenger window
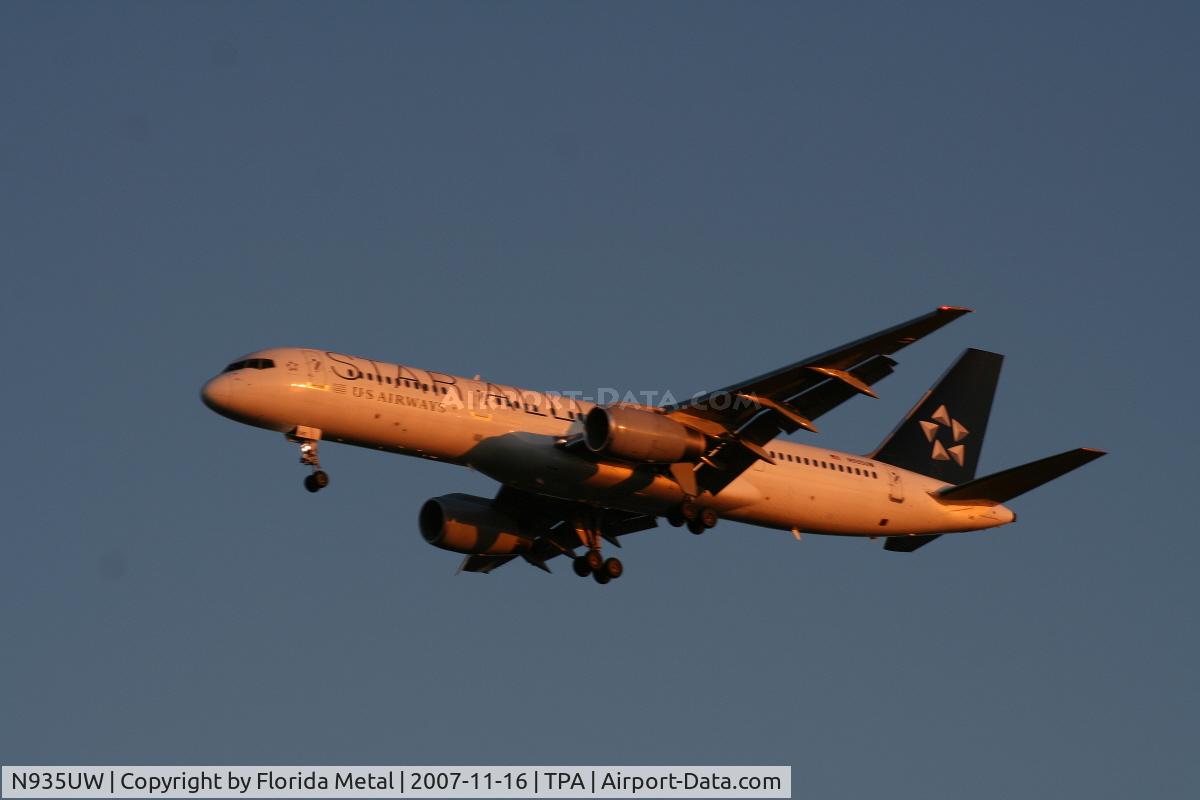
point(424, 387)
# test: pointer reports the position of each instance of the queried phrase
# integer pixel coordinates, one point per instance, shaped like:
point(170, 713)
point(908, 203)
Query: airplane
point(575, 475)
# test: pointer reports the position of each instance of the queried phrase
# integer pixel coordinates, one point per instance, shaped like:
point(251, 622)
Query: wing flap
point(732, 456)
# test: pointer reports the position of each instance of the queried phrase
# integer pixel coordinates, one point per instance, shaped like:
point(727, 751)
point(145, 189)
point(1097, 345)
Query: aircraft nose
point(215, 393)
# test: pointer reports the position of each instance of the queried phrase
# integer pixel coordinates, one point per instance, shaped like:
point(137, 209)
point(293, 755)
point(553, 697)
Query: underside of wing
point(555, 527)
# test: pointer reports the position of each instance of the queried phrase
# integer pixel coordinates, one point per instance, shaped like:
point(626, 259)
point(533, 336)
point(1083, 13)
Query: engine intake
point(634, 434)
point(465, 523)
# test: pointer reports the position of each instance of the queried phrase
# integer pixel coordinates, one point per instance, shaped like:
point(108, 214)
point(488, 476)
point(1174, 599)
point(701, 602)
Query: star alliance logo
point(942, 419)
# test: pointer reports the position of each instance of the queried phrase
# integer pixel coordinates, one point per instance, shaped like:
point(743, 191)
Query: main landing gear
point(592, 562)
point(698, 519)
point(308, 439)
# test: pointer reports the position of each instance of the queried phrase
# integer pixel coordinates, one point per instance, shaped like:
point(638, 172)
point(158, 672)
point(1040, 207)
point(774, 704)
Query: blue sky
point(643, 196)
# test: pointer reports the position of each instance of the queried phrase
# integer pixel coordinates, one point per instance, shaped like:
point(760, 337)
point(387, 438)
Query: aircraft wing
point(745, 416)
point(553, 523)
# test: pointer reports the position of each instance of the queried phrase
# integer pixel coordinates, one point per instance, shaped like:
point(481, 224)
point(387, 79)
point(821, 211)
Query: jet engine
point(465, 523)
point(641, 435)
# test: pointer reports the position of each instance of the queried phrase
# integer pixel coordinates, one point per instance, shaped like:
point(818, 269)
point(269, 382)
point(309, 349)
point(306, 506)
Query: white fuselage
point(513, 436)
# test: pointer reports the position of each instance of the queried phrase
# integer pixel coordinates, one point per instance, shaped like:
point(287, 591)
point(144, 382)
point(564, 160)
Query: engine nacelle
point(635, 434)
point(465, 523)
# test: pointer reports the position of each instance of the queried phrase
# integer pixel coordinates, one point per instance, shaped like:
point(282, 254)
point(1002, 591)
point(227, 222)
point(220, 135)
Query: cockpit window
point(250, 363)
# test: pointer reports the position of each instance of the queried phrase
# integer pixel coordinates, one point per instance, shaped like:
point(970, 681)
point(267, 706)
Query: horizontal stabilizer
point(1003, 486)
point(484, 564)
point(906, 544)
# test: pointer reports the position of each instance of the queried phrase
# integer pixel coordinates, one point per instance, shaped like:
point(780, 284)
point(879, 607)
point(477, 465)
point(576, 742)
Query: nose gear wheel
point(308, 438)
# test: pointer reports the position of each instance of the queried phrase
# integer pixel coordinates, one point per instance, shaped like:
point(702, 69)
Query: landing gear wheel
point(675, 517)
point(696, 526)
point(308, 439)
point(709, 518)
point(614, 568)
point(581, 566)
point(601, 577)
point(594, 560)
point(689, 511)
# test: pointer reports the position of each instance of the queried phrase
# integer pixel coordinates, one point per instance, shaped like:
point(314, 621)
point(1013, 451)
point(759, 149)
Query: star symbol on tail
point(939, 420)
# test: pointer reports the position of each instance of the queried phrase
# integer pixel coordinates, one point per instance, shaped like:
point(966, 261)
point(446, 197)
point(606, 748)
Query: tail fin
point(943, 434)
point(1000, 487)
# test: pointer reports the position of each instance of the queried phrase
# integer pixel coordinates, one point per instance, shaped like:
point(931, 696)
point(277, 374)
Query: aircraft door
point(895, 487)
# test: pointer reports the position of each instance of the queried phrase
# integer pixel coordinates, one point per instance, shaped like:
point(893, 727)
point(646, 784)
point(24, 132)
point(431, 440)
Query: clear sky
point(642, 196)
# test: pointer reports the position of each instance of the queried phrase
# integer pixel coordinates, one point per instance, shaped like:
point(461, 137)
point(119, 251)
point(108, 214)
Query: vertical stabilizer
point(943, 434)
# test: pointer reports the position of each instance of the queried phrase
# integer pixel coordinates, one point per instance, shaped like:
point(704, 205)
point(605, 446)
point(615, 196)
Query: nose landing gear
point(308, 439)
point(317, 481)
